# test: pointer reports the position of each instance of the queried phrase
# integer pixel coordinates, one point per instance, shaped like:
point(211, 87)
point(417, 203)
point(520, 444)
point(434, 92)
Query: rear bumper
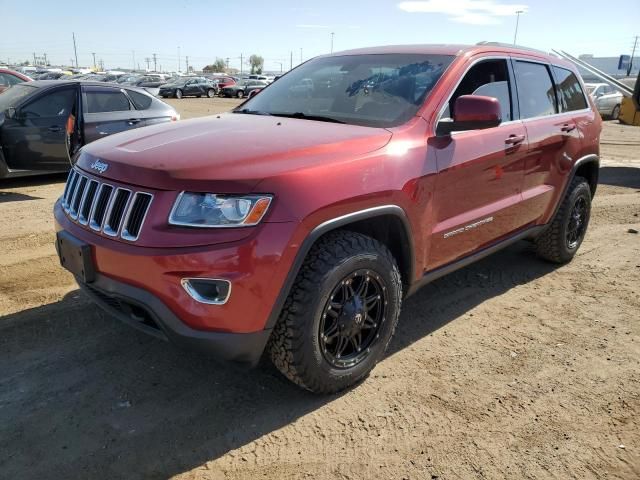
point(146, 312)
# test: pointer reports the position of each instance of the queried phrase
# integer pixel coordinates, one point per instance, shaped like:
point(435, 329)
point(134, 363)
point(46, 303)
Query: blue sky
point(205, 29)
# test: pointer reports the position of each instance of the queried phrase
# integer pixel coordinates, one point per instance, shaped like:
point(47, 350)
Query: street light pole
point(332, 34)
point(515, 35)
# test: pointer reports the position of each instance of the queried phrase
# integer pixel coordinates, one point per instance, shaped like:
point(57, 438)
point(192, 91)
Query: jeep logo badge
point(99, 166)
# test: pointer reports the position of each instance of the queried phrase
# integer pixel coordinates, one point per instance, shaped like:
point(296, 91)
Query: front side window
point(106, 100)
point(379, 90)
point(570, 92)
point(489, 78)
point(536, 92)
point(55, 104)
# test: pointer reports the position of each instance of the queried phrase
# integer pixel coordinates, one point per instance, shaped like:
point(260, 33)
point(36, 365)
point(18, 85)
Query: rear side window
point(570, 91)
point(140, 100)
point(106, 100)
point(536, 93)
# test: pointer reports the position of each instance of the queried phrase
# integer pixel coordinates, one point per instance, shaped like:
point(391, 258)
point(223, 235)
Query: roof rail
point(512, 45)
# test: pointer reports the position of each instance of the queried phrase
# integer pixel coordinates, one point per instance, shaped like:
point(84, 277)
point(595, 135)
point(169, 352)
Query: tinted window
point(535, 90)
point(54, 104)
point(13, 96)
point(8, 80)
point(490, 79)
point(381, 90)
point(140, 100)
point(571, 94)
point(106, 100)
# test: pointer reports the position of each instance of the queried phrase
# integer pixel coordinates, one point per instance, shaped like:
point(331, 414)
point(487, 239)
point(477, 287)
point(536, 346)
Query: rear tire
point(178, 93)
point(240, 94)
point(211, 93)
point(615, 113)
point(347, 294)
point(564, 235)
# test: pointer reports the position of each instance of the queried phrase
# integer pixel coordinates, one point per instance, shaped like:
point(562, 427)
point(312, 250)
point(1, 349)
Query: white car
point(606, 98)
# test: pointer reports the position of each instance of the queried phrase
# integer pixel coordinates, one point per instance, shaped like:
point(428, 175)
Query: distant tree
point(257, 63)
point(217, 67)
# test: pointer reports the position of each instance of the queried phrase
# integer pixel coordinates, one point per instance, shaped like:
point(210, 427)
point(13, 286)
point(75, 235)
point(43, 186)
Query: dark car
point(9, 78)
point(243, 88)
point(43, 123)
point(53, 76)
point(188, 86)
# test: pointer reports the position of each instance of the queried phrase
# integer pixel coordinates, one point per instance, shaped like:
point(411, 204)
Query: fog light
point(208, 290)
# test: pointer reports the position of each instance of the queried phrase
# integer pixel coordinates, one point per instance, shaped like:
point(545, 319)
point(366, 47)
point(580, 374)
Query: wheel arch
point(587, 167)
point(388, 224)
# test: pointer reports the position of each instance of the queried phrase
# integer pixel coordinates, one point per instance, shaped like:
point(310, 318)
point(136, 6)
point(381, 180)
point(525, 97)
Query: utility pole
point(34, 59)
point(633, 52)
point(227, 63)
point(94, 59)
point(187, 62)
point(75, 50)
point(148, 60)
point(133, 54)
point(154, 63)
point(515, 35)
point(241, 66)
point(300, 55)
point(45, 59)
point(332, 35)
point(291, 62)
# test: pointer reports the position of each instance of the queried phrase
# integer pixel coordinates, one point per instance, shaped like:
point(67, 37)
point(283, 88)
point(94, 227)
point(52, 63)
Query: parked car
point(188, 86)
point(305, 240)
point(606, 98)
point(9, 78)
point(223, 82)
point(53, 76)
point(43, 123)
point(243, 88)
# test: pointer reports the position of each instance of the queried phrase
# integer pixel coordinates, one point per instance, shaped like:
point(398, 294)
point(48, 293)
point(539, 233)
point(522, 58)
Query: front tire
point(211, 93)
point(564, 235)
point(240, 94)
point(340, 314)
point(178, 93)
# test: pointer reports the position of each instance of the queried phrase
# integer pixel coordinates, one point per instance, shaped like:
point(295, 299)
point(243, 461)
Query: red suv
point(399, 165)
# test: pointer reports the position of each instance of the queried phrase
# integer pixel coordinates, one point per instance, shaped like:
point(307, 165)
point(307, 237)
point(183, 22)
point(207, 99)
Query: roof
point(53, 83)
point(451, 49)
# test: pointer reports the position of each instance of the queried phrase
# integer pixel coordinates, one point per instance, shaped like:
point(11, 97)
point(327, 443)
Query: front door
point(478, 185)
point(35, 139)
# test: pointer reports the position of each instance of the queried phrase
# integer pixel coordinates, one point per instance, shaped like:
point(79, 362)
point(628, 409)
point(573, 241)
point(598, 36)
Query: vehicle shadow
point(33, 180)
point(620, 177)
point(6, 197)
point(82, 395)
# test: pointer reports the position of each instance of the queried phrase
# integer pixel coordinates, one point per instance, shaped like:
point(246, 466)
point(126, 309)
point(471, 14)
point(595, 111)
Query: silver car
point(606, 98)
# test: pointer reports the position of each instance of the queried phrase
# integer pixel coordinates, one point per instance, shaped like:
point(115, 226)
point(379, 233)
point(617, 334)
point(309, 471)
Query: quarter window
point(570, 91)
point(140, 100)
point(536, 92)
point(106, 100)
point(489, 78)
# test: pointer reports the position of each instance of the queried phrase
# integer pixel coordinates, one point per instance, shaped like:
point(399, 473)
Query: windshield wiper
point(251, 112)
point(304, 116)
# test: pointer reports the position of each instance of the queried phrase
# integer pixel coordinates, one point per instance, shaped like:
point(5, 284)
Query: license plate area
point(75, 256)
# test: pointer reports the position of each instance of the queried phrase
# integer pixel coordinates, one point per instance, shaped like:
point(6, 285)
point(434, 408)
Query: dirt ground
point(511, 368)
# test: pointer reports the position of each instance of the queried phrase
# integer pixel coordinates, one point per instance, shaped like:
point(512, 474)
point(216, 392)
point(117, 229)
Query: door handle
point(133, 121)
point(567, 128)
point(55, 128)
point(514, 139)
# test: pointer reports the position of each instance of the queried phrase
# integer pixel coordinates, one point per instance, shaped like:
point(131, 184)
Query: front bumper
point(144, 311)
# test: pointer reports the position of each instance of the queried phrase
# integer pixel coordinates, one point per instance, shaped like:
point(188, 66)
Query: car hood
point(228, 153)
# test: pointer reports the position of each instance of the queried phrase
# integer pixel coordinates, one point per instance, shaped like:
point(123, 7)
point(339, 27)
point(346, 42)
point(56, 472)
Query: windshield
point(12, 96)
point(370, 90)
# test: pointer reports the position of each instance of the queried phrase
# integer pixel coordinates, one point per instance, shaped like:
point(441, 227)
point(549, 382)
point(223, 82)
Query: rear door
point(549, 117)
point(477, 191)
point(36, 138)
point(107, 110)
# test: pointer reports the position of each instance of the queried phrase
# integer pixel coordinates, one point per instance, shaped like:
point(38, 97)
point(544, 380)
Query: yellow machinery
point(630, 107)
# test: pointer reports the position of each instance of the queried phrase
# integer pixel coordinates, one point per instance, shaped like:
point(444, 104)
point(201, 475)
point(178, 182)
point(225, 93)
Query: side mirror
point(473, 112)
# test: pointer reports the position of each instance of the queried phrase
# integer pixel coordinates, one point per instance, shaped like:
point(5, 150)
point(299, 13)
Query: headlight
point(209, 210)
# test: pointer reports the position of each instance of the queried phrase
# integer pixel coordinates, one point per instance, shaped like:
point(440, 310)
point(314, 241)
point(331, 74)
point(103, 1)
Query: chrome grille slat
point(105, 208)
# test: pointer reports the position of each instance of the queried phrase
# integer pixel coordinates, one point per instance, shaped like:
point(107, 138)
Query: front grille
point(114, 211)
